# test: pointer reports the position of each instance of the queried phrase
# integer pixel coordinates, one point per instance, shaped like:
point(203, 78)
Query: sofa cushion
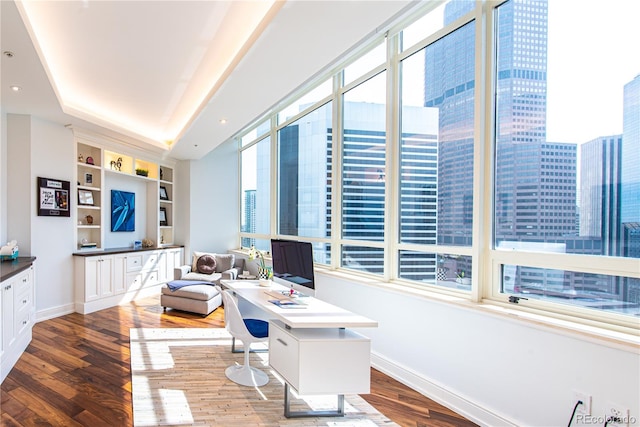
point(206, 264)
point(224, 262)
point(213, 277)
point(196, 292)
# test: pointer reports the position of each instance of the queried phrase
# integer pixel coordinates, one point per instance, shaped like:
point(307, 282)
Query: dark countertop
point(16, 266)
point(111, 251)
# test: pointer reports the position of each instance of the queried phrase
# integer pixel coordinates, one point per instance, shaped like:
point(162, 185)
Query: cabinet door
point(106, 273)
point(8, 317)
point(92, 278)
point(174, 259)
point(162, 266)
point(119, 274)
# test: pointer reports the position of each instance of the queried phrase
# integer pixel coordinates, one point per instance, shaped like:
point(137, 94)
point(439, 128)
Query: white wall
point(214, 219)
point(50, 239)
point(20, 182)
point(125, 239)
point(493, 369)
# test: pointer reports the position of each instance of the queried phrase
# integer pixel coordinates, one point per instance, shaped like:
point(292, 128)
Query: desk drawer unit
point(321, 360)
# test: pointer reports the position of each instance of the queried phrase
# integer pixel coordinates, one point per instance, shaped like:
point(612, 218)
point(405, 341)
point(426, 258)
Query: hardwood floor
point(76, 372)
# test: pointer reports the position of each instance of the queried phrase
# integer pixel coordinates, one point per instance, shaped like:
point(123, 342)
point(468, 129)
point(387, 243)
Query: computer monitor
point(293, 265)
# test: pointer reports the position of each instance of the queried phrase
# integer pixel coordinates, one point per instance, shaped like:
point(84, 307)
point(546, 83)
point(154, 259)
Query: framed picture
point(53, 197)
point(163, 193)
point(88, 179)
point(163, 216)
point(123, 208)
point(85, 197)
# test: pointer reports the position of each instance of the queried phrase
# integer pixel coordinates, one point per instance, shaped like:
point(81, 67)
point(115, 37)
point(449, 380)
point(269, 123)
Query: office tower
point(631, 152)
point(600, 192)
point(305, 179)
point(630, 184)
point(249, 225)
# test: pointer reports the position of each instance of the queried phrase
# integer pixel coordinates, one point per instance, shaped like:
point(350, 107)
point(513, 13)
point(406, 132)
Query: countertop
point(111, 251)
point(16, 266)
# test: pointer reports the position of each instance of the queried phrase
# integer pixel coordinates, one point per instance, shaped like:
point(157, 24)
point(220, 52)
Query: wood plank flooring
point(76, 372)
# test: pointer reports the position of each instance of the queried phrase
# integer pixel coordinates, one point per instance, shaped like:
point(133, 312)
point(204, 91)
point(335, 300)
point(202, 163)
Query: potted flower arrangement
point(264, 271)
point(460, 278)
point(142, 172)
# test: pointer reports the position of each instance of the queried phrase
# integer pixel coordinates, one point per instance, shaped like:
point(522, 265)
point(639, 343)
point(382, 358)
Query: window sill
point(628, 341)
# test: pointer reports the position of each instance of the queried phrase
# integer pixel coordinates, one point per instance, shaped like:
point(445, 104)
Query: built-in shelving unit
point(98, 166)
point(165, 196)
point(89, 196)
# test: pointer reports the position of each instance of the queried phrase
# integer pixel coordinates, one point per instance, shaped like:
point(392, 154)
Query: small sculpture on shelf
point(147, 243)
point(116, 164)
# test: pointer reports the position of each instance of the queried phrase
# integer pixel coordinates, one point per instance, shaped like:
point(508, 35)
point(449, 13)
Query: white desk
point(315, 314)
point(310, 347)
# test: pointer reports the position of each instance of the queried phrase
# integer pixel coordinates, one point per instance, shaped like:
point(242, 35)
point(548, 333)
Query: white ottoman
point(197, 298)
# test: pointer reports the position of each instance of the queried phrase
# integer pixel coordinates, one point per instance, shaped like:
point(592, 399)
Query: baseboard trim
point(51, 313)
point(438, 393)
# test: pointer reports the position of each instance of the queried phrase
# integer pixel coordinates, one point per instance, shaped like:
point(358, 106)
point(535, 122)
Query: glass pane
point(450, 271)
point(363, 161)
point(366, 63)
point(306, 101)
point(442, 15)
point(255, 190)
point(322, 253)
point(256, 132)
point(363, 258)
point(304, 181)
point(567, 150)
point(594, 291)
point(436, 144)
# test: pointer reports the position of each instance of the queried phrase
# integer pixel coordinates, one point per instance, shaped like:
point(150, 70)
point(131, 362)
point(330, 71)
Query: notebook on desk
point(286, 303)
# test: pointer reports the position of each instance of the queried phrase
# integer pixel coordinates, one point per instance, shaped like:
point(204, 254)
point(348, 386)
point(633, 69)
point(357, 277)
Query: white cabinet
point(18, 312)
point(105, 280)
point(322, 360)
point(98, 272)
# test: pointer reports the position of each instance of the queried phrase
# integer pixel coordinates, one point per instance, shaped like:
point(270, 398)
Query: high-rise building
point(249, 225)
point(600, 204)
point(631, 152)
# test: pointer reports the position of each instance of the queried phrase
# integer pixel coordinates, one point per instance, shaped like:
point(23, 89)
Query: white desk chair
point(248, 331)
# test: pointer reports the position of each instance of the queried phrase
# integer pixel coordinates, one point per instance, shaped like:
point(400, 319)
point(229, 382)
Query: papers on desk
point(286, 303)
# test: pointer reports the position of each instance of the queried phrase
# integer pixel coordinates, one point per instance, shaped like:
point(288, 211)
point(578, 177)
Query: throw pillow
point(206, 264)
point(196, 255)
point(224, 262)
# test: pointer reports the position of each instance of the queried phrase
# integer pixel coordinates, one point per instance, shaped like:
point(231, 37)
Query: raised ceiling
point(163, 74)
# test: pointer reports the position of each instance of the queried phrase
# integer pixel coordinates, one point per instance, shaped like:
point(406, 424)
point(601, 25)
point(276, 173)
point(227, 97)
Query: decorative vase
point(264, 272)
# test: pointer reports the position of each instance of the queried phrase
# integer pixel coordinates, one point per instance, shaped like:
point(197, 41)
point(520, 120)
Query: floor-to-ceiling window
point(566, 210)
point(477, 149)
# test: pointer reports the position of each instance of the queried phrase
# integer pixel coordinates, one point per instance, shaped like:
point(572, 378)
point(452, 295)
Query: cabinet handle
point(282, 342)
point(24, 301)
point(24, 322)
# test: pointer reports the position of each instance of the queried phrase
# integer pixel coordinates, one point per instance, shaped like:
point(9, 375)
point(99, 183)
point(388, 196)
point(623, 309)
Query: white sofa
point(206, 271)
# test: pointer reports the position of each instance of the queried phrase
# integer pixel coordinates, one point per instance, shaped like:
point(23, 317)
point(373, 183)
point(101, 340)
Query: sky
point(585, 80)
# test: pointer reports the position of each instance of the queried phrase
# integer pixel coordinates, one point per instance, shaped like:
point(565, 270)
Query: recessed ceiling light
point(223, 121)
point(15, 88)
point(8, 53)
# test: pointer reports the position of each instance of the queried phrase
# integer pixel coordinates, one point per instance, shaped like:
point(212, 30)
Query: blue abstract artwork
point(123, 204)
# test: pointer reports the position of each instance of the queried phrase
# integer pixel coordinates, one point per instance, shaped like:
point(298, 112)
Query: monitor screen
point(293, 262)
